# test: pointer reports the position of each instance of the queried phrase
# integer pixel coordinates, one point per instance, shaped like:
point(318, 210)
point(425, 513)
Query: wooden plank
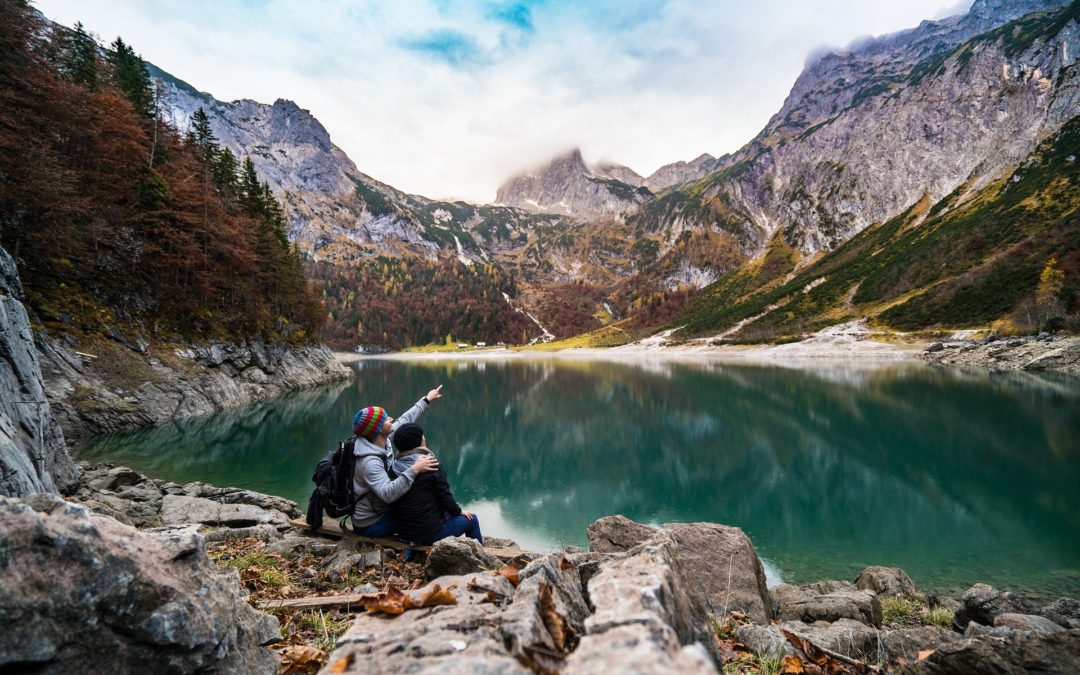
point(349, 601)
point(335, 531)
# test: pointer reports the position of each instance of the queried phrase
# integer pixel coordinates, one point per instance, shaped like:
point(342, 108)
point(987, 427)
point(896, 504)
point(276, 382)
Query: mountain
point(336, 212)
point(864, 135)
point(941, 111)
point(569, 187)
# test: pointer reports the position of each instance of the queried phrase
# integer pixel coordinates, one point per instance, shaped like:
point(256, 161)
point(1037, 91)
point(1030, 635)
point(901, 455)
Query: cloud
point(449, 98)
point(515, 14)
point(452, 47)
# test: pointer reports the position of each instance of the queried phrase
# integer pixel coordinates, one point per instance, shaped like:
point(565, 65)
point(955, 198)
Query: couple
point(408, 495)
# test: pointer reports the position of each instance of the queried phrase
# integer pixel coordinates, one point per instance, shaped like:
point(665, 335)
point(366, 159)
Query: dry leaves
point(511, 572)
point(301, 660)
point(395, 601)
point(341, 666)
point(819, 660)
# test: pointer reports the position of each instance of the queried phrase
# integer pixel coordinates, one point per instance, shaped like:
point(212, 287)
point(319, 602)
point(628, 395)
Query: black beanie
point(408, 437)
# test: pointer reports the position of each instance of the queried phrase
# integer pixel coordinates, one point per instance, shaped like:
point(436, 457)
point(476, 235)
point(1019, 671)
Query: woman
point(427, 512)
point(373, 484)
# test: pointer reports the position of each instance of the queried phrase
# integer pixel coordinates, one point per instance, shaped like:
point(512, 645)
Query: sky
point(448, 99)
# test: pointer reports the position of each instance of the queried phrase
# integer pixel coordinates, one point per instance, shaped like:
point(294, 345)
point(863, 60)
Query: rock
point(1064, 612)
point(499, 542)
point(1026, 622)
point(721, 563)
point(458, 556)
point(764, 641)
point(80, 592)
point(1057, 652)
point(1014, 343)
point(294, 544)
point(262, 532)
point(831, 586)
point(113, 478)
point(935, 347)
point(981, 603)
point(33, 453)
point(616, 534)
point(906, 643)
point(648, 617)
point(885, 581)
point(848, 637)
point(475, 635)
point(636, 649)
point(804, 603)
point(179, 509)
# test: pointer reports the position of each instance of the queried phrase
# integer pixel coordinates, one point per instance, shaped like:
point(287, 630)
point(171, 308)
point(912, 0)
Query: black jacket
point(420, 511)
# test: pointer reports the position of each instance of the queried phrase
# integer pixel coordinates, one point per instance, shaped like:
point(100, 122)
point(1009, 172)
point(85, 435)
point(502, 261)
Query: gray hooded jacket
point(371, 484)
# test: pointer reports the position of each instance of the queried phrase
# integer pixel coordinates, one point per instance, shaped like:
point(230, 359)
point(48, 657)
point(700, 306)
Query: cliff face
point(33, 456)
point(864, 135)
point(335, 211)
point(568, 187)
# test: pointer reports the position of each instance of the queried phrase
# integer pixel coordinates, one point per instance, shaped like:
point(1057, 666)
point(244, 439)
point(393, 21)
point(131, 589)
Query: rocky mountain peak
point(567, 186)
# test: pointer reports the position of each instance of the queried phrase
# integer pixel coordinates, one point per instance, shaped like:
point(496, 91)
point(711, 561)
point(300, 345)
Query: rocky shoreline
point(106, 386)
point(1037, 354)
point(682, 597)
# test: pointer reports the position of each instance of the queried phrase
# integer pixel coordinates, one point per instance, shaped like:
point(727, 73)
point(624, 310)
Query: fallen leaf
point(341, 666)
point(301, 660)
point(390, 601)
point(565, 564)
point(434, 596)
point(792, 664)
point(925, 653)
point(512, 573)
point(561, 632)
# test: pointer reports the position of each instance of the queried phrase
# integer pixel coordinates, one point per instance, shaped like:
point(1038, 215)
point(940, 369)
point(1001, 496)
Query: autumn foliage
point(114, 220)
point(393, 303)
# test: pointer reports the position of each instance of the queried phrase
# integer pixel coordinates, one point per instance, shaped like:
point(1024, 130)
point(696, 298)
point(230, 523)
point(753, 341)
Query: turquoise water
point(955, 476)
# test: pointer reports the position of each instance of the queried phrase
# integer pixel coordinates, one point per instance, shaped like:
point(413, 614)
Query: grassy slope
point(961, 265)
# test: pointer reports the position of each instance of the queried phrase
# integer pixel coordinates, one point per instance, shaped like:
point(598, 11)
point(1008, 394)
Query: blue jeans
point(460, 525)
point(383, 527)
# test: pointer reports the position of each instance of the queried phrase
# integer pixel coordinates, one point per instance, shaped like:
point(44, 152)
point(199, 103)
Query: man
point(428, 512)
point(373, 448)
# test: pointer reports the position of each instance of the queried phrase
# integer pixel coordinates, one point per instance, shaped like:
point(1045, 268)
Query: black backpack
point(333, 485)
point(333, 480)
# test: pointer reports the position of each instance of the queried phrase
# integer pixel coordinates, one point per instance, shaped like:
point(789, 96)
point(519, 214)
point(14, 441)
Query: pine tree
point(132, 77)
point(250, 192)
point(224, 173)
point(80, 59)
point(203, 137)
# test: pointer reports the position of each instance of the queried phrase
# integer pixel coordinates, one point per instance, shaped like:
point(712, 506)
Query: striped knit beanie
point(369, 421)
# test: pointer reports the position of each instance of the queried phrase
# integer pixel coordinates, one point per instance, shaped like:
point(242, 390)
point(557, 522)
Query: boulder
point(33, 454)
point(764, 641)
point(616, 534)
point(1057, 652)
point(647, 618)
point(492, 628)
point(906, 643)
point(807, 604)
point(179, 509)
point(1026, 622)
point(458, 556)
point(1065, 612)
point(981, 603)
point(722, 564)
point(845, 636)
point(81, 592)
point(885, 581)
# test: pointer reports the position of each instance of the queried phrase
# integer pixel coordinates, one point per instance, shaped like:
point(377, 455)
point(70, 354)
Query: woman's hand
point(469, 514)
point(424, 464)
point(434, 394)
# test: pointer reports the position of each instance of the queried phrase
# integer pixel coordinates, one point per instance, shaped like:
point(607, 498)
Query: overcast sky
point(449, 98)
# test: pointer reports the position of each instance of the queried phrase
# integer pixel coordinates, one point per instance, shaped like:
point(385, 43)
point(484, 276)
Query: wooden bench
point(336, 532)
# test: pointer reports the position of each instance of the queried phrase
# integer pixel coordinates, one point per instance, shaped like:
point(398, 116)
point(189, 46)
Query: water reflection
point(955, 476)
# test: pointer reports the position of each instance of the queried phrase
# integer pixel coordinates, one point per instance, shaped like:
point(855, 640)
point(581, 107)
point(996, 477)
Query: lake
point(956, 476)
